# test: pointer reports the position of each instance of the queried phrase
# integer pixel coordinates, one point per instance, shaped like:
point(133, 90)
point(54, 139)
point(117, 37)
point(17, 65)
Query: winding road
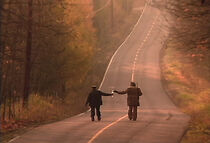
point(137, 59)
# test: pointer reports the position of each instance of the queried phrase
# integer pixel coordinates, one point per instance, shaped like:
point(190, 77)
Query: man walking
point(95, 101)
point(133, 93)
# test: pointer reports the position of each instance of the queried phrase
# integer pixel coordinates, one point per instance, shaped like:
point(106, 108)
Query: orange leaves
point(195, 18)
point(200, 56)
point(186, 10)
point(201, 47)
point(197, 55)
point(204, 41)
point(11, 125)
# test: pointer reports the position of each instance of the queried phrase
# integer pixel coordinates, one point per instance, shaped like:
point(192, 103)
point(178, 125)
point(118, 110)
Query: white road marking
point(140, 47)
point(98, 10)
point(81, 114)
point(102, 130)
point(123, 44)
point(13, 139)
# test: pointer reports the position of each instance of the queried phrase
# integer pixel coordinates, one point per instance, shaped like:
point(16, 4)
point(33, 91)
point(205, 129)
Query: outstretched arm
point(120, 92)
point(105, 94)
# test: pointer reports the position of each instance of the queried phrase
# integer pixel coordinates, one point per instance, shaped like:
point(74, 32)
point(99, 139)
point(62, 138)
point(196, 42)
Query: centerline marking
point(115, 122)
point(145, 6)
point(140, 47)
point(102, 130)
point(133, 71)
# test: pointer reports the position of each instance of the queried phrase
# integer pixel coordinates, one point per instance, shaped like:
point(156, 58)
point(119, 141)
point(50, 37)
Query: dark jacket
point(133, 95)
point(95, 97)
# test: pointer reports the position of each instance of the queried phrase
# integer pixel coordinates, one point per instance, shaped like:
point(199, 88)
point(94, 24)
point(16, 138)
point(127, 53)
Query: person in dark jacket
point(95, 101)
point(133, 94)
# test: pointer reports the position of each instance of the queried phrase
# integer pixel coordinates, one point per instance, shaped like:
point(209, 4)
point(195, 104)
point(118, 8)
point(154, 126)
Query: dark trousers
point(98, 113)
point(132, 112)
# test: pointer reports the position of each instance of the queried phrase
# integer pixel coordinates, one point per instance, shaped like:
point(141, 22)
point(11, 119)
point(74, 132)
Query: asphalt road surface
point(137, 59)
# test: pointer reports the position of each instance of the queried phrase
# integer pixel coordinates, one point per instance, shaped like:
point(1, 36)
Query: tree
point(26, 88)
point(1, 51)
point(48, 48)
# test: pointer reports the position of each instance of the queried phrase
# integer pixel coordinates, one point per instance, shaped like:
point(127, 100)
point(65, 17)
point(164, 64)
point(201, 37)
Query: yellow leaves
point(204, 96)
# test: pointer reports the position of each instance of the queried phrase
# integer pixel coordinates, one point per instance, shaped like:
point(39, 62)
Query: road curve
point(137, 59)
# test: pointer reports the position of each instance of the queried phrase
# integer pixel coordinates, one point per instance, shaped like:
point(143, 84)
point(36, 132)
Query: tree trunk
point(10, 105)
point(1, 52)
point(28, 55)
point(3, 114)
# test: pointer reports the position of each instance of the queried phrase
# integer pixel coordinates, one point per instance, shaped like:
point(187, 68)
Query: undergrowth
point(189, 86)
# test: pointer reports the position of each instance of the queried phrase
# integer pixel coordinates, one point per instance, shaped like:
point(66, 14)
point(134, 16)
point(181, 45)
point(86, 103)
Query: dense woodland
point(51, 53)
point(46, 50)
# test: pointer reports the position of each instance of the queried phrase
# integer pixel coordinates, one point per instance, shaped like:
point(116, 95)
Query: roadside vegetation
point(46, 53)
point(186, 65)
point(51, 53)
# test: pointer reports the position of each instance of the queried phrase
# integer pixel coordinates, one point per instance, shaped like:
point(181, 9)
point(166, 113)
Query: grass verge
point(43, 110)
point(186, 78)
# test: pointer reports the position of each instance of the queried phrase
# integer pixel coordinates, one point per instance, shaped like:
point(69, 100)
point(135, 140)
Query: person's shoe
point(99, 118)
point(134, 119)
point(92, 119)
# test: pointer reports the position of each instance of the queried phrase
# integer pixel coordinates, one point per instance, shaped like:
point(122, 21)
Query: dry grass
point(189, 86)
point(41, 110)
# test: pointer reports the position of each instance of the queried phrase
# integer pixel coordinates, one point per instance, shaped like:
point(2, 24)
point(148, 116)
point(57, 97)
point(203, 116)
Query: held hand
point(115, 91)
point(112, 92)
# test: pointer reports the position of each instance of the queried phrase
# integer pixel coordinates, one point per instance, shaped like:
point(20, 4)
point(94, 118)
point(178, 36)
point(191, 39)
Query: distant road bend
point(159, 121)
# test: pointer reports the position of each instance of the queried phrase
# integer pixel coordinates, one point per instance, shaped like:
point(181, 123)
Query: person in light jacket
point(133, 92)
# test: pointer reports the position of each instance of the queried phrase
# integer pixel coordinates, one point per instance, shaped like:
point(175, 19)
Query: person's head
point(94, 87)
point(132, 84)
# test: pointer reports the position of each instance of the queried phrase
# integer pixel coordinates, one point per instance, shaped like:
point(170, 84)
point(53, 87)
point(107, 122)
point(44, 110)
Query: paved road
point(159, 121)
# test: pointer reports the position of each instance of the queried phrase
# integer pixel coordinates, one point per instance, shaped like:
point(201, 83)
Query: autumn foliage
point(51, 53)
point(46, 46)
point(186, 64)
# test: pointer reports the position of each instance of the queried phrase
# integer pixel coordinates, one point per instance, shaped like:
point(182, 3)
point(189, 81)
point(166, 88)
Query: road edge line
point(14, 139)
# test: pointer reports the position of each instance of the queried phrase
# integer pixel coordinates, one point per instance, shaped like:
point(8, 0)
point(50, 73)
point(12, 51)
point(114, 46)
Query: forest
point(43, 42)
point(51, 54)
